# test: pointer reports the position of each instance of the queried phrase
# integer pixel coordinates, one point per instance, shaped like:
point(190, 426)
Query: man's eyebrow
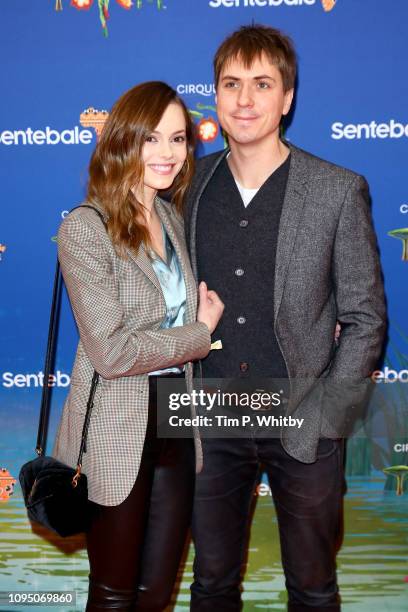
point(263, 76)
point(230, 77)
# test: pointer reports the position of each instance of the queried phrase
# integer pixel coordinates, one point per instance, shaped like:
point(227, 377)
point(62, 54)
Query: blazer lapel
point(142, 260)
point(295, 194)
point(183, 257)
point(202, 183)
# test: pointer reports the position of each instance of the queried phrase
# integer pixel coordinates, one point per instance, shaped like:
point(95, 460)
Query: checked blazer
point(119, 306)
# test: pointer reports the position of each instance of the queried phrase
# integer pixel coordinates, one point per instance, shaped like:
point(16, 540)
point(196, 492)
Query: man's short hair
point(250, 42)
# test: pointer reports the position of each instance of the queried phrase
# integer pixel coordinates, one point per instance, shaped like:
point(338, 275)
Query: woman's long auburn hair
point(116, 165)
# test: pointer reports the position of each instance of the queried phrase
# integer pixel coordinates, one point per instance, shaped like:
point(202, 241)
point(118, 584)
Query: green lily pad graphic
point(402, 234)
point(399, 471)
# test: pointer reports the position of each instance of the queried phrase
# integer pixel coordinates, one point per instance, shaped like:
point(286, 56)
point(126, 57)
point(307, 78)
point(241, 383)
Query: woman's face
point(164, 151)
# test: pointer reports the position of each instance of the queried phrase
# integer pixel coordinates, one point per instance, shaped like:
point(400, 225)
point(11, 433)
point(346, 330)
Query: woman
point(134, 300)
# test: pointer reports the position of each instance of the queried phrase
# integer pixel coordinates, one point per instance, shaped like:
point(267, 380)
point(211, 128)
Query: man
point(287, 242)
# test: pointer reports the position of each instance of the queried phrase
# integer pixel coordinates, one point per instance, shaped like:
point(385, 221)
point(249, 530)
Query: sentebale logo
point(95, 119)
point(46, 136)
point(34, 379)
point(389, 376)
point(259, 3)
point(369, 131)
point(89, 118)
point(328, 5)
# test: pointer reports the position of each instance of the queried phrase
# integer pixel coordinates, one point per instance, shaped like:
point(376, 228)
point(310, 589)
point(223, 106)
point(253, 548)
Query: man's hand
point(210, 307)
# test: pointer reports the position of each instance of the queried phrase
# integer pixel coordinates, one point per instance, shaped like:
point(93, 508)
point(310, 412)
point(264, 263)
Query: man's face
point(251, 101)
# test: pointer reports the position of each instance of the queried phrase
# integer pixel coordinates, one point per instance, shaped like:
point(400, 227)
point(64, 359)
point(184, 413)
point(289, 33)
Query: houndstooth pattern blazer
point(119, 306)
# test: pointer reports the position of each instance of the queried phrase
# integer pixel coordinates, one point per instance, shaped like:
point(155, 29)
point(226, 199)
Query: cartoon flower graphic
point(399, 472)
point(402, 234)
point(207, 129)
point(103, 8)
point(81, 4)
point(7, 483)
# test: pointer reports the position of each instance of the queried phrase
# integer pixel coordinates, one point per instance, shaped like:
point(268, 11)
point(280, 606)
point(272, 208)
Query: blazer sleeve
point(358, 286)
point(112, 346)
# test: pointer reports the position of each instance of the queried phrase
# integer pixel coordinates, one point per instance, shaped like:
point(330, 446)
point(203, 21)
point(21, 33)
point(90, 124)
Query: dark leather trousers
point(308, 500)
point(135, 548)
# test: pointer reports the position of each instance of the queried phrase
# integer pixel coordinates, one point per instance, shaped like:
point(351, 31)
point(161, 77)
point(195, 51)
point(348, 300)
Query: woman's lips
point(163, 169)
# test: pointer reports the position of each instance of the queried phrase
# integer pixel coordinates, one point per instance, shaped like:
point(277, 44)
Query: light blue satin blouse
point(174, 290)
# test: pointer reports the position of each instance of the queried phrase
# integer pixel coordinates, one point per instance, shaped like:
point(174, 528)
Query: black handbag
point(55, 494)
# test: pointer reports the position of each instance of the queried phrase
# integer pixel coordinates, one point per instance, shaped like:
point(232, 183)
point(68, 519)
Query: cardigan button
point(243, 223)
point(241, 320)
point(244, 366)
point(239, 272)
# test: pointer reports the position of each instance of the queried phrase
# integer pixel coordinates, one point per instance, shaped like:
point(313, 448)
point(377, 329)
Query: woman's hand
point(337, 332)
point(210, 307)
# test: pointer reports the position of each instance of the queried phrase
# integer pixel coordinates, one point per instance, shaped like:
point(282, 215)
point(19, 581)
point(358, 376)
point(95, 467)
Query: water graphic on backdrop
point(371, 565)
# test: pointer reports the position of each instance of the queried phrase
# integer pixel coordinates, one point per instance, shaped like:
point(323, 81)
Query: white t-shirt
point(246, 194)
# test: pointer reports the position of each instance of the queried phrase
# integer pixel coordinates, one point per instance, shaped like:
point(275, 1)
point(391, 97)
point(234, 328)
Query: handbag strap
point(49, 362)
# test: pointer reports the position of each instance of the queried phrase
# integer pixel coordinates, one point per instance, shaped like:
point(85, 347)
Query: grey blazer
point(119, 306)
point(327, 270)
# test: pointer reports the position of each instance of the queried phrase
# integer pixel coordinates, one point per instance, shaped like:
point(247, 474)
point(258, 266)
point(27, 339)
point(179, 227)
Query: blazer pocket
point(122, 397)
point(79, 396)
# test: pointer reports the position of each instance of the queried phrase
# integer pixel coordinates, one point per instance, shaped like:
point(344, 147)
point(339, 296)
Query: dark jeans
point(308, 500)
point(135, 548)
